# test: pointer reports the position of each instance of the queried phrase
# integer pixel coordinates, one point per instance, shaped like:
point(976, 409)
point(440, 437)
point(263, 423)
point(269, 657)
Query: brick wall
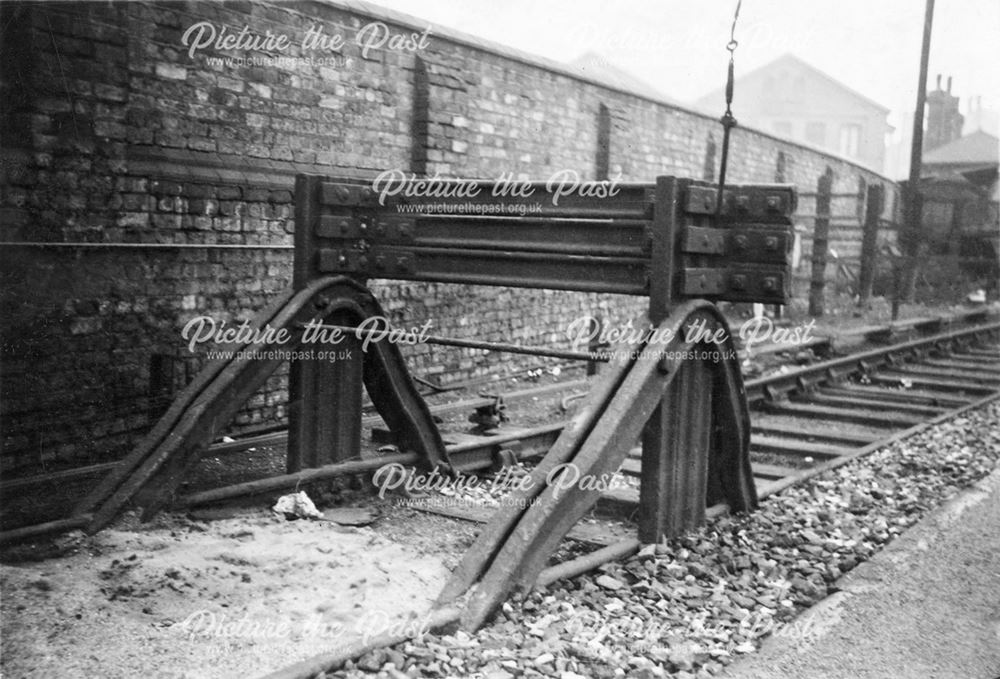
point(176, 173)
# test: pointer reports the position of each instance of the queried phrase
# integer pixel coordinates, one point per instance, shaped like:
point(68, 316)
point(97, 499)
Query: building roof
point(978, 148)
point(788, 57)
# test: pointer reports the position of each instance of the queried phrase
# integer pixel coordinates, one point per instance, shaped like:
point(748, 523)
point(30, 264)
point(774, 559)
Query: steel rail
point(445, 617)
point(759, 389)
point(771, 387)
point(766, 387)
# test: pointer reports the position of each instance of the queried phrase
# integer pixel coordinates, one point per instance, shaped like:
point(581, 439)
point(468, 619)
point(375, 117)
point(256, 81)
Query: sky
point(678, 47)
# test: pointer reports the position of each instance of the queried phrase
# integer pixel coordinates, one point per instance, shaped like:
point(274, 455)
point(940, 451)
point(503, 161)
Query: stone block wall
point(142, 185)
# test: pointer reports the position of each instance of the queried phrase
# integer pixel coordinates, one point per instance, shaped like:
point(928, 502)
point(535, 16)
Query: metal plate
point(764, 203)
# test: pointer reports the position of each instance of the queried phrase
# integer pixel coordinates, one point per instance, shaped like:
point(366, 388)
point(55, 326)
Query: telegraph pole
point(912, 198)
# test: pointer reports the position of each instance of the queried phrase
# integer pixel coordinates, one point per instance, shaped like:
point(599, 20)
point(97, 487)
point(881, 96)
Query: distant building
point(792, 99)
point(979, 118)
point(943, 124)
point(973, 156)
point(959, 187)
point(965, 164)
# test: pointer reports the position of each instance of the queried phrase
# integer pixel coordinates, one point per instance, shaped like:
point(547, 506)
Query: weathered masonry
point(142, 187)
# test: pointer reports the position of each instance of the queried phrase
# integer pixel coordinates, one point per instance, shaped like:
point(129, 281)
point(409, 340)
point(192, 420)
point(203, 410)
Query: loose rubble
point(690, 606)
point(296, 506)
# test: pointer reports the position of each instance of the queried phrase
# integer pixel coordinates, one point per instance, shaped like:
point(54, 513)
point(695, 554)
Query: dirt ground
point(234, 597)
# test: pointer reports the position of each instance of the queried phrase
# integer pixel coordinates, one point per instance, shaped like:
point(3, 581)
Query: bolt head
point(665, 365)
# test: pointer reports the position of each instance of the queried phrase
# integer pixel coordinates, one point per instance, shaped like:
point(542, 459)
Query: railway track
point(804, 420)
point(814, 418)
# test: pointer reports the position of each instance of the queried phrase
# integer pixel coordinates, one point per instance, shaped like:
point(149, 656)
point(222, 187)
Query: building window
point(850, 140)
point(783, 128)
point(816, 133)
point(798, 88)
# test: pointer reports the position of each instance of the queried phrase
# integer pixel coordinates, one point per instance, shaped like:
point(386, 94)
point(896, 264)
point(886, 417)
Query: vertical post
point(602, 159)
point(708, 171)
point(779, 178)
point(307, 188)
point(869, 242)
point(666, 232)
point(324, 396)
point(821, 235)
point(324, 409)
point(595, 344)
point(676, 440)
point(675, 448)
point(912, 231)
point(420, 118)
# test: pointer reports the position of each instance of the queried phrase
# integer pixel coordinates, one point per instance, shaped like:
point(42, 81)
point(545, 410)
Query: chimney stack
point(944, 122)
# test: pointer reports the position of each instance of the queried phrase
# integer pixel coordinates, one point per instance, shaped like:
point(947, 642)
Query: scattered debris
point(977, 297)
point(351, 516)
point(296, 506)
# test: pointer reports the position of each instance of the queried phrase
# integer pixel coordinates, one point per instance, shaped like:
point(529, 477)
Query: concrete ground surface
point(927, 607)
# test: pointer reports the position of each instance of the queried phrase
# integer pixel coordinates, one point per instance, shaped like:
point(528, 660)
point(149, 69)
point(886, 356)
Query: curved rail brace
point(513, 548)
point(159, 462)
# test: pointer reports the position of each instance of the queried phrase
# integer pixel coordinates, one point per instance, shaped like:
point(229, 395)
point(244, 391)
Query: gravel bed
point(690, 606)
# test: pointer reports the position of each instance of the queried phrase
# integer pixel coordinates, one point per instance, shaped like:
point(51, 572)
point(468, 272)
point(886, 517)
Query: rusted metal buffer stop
point(672, 241)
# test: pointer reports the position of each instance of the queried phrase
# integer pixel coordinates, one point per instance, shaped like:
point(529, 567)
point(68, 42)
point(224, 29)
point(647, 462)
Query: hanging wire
point(728, 120)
